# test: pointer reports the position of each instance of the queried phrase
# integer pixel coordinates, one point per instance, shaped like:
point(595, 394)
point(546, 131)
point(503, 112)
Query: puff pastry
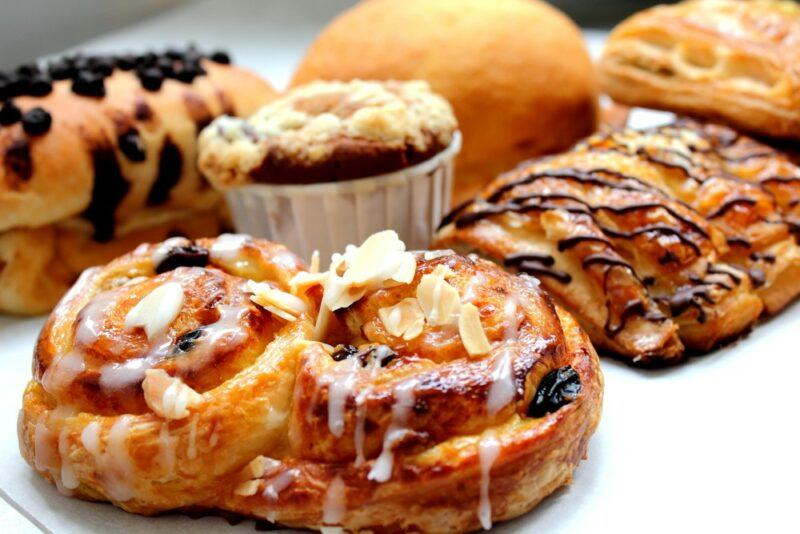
point(221, 374)
point(717, 59)
point(657, 241)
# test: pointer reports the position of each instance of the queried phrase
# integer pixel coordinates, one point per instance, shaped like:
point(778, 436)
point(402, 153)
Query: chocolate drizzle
point(108, 190)
point(538, 265)
point(169, 173)
point(729, 205)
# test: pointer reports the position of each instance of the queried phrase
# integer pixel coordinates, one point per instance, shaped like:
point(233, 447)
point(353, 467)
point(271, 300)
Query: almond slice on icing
point(381, 257)
point(280, 303)
point(156, 311)
point(471, 331)
point(405, 319)
point(259, 466)
point(248, 488)
point(168, 396)
point(439, 300)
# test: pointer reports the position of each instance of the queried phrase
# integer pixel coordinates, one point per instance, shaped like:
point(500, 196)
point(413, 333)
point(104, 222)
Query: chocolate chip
point(130, 144)
point(187, 341)
point(220, 57)
point(17, 85)
point(174, 53)
point(28, 70)
point(102, 65)
point(146, 60)
point(40, 86)
point(557, 388)
point(151, 79)
point(36, 121)
point(165, 65)
point(126, 62)
point(183, 256)
point(185, 73)
point(9, 113)
point(61, 70)
point(343, 352)
point(88, 84)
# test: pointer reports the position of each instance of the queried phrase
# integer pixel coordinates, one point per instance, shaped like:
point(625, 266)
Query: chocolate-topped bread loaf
point(107, 144)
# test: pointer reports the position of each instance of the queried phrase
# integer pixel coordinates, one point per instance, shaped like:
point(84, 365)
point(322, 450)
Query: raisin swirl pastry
point(641, 271)
point(222, 375)
point(716, 59)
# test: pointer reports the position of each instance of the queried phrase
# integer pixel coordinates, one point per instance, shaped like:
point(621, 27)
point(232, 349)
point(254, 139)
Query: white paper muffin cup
point(328, 216)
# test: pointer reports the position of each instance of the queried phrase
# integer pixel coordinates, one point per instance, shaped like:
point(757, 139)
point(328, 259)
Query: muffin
point(330, 163)
point(517, 72)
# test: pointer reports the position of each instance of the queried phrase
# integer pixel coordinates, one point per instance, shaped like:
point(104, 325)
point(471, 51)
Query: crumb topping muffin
point(327, 132)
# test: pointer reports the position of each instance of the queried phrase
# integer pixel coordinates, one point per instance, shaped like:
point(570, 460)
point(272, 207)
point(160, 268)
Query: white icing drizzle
point(334, 506)
point(275, 485)
point(112, 464)
point(63, 370)
point(403, 402)
point(191, 447)
point(68, 479)
point(488, 450)
point(161, 252)
point(502, 389)
point(228, 246)
point(470, 290)
point(341, 381)
point(45, 456)
point(167, 453)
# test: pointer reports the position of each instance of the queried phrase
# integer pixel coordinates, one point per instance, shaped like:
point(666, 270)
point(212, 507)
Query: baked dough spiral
point(398, 391)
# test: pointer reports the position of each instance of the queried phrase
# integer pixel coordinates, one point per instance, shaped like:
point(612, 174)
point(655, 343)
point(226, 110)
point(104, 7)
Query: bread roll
point(516, 72)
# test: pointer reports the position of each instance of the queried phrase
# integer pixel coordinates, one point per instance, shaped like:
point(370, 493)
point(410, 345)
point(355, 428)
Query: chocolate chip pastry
point(658, 241)
point(104, 147)
point(717, 59)
point(222, 374)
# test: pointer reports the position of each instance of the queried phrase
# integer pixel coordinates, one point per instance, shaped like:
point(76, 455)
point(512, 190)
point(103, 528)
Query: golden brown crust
point(77, 168)
point(304, 434)
point(672, 228)
point(38, 265)
point(718, 59)
point(493, 61)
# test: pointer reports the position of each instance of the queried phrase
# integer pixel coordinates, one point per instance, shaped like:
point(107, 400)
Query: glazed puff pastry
point(222, 375)
point(718, 59)
point(649, 238)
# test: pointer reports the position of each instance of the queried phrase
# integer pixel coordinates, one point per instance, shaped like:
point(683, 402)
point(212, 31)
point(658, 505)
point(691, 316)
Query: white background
point(710, 446)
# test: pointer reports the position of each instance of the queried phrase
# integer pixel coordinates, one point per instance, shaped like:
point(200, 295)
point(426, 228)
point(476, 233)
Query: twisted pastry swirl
point(398, 391)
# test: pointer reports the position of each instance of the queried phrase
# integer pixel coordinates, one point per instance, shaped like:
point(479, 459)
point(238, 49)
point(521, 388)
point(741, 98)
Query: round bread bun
point(517, 72)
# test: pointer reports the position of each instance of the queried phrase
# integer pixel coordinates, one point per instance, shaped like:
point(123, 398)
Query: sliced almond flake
point(156, 311)
point(314, 267)
point(246, 489)
point(405, 319)
point(444, 271)
point(439, 300)
point(168, 396)
point(280, 303)
point(435, 254)
point(471, 331)
point(259, 466)
point(303, 281)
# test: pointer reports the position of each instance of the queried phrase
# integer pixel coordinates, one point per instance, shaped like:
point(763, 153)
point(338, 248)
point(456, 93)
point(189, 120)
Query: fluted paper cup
point(328, 216)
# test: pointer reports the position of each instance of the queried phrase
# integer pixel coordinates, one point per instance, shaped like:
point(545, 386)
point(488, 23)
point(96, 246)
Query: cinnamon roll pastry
point(722, 176)
point(641, 271)
point(221, 374)
point(717, 59)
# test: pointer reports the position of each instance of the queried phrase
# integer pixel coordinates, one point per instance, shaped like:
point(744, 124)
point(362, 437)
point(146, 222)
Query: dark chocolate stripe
point(661, 229)
point(517, 258)
point(570, 242)
point(455, 212)
point(537, 269)
point(739, 242)
point(108, 190)
point(169, 173)
point(729, 205)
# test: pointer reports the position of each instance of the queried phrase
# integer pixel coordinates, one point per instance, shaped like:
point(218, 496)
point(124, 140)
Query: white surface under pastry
point(708, 446)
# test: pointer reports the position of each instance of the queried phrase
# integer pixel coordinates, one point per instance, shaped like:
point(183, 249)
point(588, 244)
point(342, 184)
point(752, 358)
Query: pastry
point(712, 169)
point(107, 142)
point(717, 59)
point(380, 152)
point(221, 374)
point(38, 265)
point(496, 62)
point(643, 272)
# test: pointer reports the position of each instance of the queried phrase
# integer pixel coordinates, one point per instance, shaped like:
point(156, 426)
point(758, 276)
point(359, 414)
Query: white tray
point(708, 446)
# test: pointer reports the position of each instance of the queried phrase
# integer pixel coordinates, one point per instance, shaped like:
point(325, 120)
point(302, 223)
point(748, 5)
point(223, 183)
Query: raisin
point(556, 389)
point(187, 341)
point(343, 352)
point(183, 256)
